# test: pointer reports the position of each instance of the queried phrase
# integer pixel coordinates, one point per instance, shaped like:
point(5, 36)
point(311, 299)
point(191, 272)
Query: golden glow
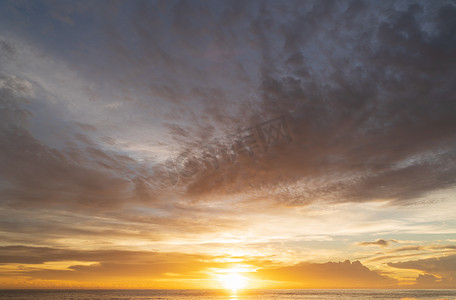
point(232, 281)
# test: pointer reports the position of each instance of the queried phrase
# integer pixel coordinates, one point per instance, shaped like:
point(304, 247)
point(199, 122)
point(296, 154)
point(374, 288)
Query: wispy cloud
point(379, 242)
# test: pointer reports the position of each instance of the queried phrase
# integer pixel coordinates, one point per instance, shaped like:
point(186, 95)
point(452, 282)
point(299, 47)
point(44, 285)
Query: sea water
point(223, 295)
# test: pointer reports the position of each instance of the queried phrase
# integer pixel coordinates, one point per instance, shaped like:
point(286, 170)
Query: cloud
point(440, 271)
point(392, 257)
point(107, 266)
point(102, 267)
point(395, 254)
point(408, 248)
point(327, 275)
point(439, 265)
point(379, 242)
point(119, 123)
point(369, 120)
point(80, 174)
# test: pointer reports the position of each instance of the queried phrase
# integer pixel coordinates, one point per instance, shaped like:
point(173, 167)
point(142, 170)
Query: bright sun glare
point(232, 281)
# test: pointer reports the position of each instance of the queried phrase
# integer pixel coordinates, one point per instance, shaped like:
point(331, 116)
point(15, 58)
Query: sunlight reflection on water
point(223, 295)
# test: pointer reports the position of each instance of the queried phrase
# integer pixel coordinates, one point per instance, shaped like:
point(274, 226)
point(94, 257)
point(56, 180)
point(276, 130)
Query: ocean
point(223, 295)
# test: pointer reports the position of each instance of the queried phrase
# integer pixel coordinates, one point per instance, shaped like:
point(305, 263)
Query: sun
point(232, 281)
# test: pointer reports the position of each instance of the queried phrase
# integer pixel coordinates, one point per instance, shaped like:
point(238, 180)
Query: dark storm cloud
point(366, 89)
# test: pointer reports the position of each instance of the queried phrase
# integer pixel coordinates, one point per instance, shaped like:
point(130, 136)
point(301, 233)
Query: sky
point(166, 144)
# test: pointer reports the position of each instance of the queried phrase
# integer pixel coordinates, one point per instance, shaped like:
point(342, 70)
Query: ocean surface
point(223, 295)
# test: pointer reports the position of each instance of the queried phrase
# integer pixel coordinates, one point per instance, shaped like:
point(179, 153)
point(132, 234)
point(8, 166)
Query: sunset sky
point(184, 144)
